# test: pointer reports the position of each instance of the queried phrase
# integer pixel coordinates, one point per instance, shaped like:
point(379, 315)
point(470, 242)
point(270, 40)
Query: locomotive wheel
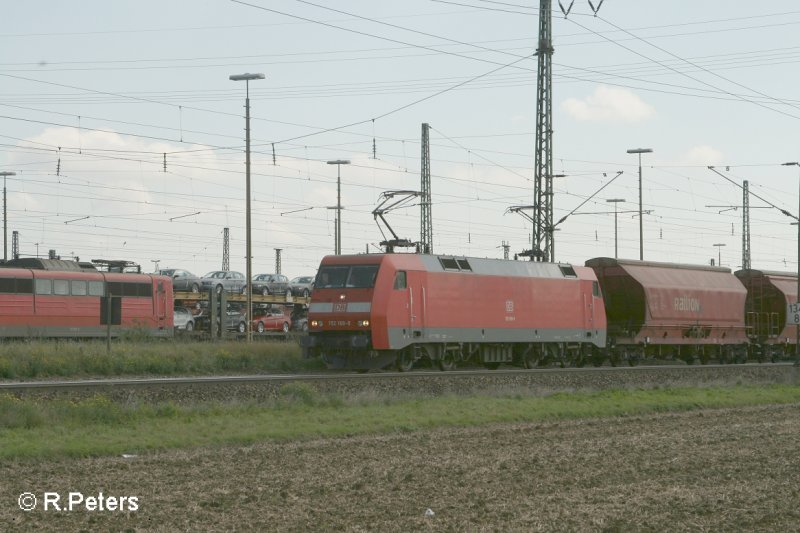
point(447, 362)
point(405, 361)
point(584, 353)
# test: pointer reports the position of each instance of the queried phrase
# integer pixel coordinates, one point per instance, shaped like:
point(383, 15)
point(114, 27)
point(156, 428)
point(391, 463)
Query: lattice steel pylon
point(542, 245)
point(426, 220)
point(15, 244)
point(745, 225)
point(278, 260)
point(226, 249)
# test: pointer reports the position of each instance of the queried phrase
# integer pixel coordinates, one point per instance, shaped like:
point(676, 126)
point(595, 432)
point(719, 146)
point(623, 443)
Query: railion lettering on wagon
point(687, 303)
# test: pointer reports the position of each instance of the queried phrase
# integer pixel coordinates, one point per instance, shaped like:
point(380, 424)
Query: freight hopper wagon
point(391, 310)
point(768, 297)
point(666, 310)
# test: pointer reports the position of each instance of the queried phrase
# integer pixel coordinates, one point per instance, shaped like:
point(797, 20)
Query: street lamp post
point(719, 246)
point(797, 337)
point(338, 225)
point(640, 151)
point(5, 217)
point(248, 240)
point(615, 201)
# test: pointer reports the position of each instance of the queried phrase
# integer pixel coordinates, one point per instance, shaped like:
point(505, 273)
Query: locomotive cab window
point(362, 276)
point(352, 277)
point(595, 289)
point(400, 280)
point(16, 286)
point(331, 277)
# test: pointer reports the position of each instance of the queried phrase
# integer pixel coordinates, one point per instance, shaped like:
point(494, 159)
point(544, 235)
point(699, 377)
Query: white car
point(182, 318)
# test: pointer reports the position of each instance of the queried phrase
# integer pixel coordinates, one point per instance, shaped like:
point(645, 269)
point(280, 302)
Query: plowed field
point(709, 470)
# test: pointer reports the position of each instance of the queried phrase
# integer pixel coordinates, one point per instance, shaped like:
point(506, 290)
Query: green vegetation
point(53, 428)
point(44, 359)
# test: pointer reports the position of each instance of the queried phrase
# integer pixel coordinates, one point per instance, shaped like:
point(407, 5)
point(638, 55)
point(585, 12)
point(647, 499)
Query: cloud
point(609, 104)
point(703, 155)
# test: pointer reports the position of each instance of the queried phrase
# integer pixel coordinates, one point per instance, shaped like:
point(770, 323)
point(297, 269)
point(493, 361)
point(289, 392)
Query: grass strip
point(157, 357)
point(58, 428)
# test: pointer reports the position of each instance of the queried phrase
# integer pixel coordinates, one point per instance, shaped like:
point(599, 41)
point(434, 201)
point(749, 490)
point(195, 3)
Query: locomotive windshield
point(345, 276)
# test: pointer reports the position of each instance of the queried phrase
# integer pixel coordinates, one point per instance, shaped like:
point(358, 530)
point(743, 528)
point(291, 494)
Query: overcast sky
point(109, 88)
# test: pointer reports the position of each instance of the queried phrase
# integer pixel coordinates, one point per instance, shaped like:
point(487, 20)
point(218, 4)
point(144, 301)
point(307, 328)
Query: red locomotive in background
point(391, 310)
point(56, 298)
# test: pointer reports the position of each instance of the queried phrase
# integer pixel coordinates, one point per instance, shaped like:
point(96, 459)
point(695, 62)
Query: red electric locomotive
point(385, 310)
point(55, 298)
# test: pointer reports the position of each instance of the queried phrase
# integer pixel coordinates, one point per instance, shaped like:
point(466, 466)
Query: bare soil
point(710, 470)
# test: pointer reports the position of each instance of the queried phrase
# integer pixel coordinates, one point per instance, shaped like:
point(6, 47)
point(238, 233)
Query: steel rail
point(9, 386)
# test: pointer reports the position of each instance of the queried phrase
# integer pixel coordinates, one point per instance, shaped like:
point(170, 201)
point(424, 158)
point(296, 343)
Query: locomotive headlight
point(363, 323)
point(316, 323)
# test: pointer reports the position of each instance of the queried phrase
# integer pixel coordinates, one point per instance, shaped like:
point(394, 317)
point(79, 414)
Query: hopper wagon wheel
point(530, 359)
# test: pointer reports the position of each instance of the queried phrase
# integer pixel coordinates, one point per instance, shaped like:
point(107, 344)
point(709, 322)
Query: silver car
point(183, 319)
point(302, 286)
point(266, 284)
point(227, 280)
point(182, 280)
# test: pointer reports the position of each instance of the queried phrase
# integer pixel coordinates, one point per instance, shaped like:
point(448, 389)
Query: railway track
point(419, 383)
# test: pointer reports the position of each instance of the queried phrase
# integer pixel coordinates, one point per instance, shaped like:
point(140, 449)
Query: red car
point(273, 319)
